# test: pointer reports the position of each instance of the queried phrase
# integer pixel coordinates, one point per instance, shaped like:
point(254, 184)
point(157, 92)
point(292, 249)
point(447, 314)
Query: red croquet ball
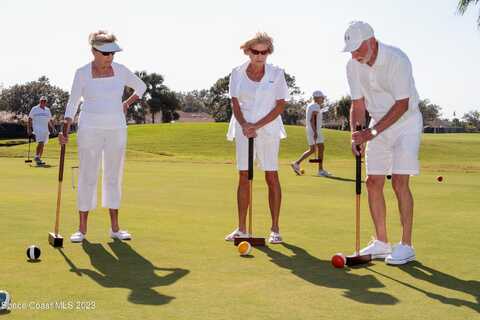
point(439, 178)
point(338, 260)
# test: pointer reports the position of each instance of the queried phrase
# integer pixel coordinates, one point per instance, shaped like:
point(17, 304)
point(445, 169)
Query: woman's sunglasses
point(105, 53)
point(257, 52)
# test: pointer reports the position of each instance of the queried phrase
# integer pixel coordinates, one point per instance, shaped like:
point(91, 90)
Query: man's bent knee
point(375, 183)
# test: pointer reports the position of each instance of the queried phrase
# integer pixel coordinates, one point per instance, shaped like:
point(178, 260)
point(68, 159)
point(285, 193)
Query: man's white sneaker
point(401, 254)
point(324, 173)
point(120, 235)
point(275, 238)
point(236, 234)
point(296, 168)
point(77, 237)
point(378, 249)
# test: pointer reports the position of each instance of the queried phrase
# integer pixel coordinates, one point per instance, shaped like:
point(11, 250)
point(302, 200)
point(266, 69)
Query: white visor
point(107, 47)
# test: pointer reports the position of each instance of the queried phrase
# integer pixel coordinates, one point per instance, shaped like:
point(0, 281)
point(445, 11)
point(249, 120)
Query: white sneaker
point(378, 249)
point(120, 235)
point(275, 238)
point(236, 234)
point(401, 254)
point(77, 237)
point(324, 173)
point(296, 168)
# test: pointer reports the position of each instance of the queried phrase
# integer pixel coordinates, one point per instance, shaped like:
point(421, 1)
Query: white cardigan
point(102, 105)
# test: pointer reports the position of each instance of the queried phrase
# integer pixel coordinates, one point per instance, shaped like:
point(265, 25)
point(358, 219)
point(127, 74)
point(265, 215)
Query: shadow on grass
point(321, 273)
point(441, 279)
point(339, 179)
point(127, 269)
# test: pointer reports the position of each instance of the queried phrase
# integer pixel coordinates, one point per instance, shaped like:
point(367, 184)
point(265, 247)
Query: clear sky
point(193, 43)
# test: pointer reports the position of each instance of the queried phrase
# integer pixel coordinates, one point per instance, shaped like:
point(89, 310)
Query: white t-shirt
point(40, 118)
point(257, 99)
point(102, 105)
point(314, 107)
point(388, 80)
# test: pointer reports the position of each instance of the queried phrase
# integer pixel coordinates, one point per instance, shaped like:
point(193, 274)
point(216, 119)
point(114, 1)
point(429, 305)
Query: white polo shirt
point(40, 118)
point(257, 99)
point(314, 107)
point(388, 80)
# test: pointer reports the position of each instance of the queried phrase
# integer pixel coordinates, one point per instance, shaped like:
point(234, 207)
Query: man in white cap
point(40, 119)
point(313, 125)
point(381, 82)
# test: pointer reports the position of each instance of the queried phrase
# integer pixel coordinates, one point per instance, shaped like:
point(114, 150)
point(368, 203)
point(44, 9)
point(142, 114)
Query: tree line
point(161, 104)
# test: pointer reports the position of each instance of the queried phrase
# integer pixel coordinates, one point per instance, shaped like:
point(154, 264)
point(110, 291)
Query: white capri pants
point(100, 146)
point(265, 151)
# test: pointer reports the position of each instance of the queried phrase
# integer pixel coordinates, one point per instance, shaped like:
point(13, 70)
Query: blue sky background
point(193, 43)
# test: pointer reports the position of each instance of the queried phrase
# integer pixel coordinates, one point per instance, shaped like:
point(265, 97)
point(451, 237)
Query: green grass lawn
point(179, 203)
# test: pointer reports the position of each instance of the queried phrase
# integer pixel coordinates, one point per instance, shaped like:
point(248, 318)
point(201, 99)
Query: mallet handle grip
point(62, 153)
point(250, 158)
point(250, 178)
point(60, 179)
point(358, 192)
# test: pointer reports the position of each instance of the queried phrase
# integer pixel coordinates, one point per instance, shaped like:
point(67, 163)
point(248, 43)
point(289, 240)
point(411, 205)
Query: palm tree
point(463, 6)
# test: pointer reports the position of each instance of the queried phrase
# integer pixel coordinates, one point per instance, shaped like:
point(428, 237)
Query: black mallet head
point(254, 242)
point(356, 260)
point(55, 240)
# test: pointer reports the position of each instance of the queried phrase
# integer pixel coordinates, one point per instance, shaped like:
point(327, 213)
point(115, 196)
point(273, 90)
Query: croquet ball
point(389, 177)
point(302, 171)
point(244, 248)
point(338, 260)
point(439, 178)
point(33, 253)
point(4, 300)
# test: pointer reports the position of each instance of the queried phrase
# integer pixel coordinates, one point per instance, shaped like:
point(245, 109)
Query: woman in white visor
point(102, 129)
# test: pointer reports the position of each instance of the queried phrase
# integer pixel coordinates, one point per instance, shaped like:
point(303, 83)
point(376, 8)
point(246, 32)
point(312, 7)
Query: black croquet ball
point(4, 300)
point(33, 253)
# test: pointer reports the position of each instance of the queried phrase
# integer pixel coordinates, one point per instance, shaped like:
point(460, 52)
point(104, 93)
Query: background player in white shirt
point(313, 126)
point(381, 81)
point(40, 120)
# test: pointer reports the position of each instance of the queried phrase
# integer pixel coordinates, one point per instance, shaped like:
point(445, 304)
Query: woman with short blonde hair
point(102, 129)
point(260, 38)
point(258, 91)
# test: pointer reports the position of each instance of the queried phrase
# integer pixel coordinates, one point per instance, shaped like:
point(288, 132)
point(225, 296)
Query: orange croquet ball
point(244, 248)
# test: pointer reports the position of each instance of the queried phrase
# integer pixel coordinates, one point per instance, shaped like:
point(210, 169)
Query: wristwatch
point(373, 131)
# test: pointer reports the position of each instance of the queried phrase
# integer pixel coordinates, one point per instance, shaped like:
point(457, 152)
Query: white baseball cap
point(107, 47)
point(318, 93)
point(357, 32)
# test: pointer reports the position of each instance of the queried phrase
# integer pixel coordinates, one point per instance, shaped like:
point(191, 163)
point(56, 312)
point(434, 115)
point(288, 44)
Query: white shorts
point(310, 139)
point(41, 136)
point(265, 151)
point(395, 151)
